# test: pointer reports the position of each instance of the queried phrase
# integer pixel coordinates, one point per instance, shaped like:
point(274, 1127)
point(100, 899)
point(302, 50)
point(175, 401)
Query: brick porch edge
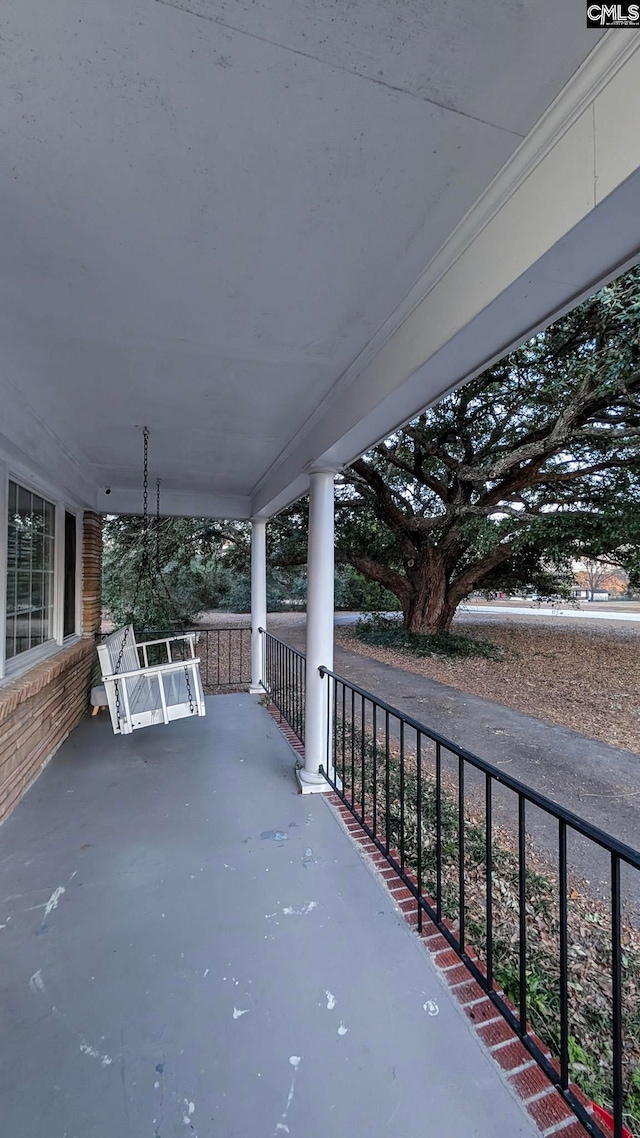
point(542, 1101)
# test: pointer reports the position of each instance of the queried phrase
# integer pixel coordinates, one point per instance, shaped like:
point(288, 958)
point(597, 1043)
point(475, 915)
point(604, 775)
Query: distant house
point(598, 581)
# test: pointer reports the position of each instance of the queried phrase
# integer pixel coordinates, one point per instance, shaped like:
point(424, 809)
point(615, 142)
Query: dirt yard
point(585, 678)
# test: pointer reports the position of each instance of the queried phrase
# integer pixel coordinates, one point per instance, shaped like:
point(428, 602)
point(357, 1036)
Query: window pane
point(23, 592)
point(48, 553)
point(23, 543)
point(24, 502)
point(31, 532)
point(11, 647)
point(69, 574)
point(37, 590)
point(11, 590)
point(12, 539)
point(47, 595)
point(22, 633)
point(35, 629)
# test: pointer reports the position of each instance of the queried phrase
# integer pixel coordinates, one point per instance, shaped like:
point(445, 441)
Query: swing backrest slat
point(130, 661)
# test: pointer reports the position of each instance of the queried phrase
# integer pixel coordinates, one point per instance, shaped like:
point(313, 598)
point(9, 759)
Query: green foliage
point(354, 593)
point(203, 568)
point(391, 634)
point(189, 577)
point(500, 486)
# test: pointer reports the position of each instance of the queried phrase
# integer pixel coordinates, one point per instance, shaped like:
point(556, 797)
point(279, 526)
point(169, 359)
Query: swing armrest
point(166, 639)
point(154, 669)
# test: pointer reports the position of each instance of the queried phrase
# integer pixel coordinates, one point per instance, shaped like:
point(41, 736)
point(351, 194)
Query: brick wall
point(40, 708)
point(91, 573)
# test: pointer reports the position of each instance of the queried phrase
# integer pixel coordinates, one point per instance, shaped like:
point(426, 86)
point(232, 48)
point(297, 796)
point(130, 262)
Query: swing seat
point(149, 693)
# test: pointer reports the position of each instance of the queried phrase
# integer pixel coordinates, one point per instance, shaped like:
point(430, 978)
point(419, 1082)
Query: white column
point(258, 601)
point(320, 605)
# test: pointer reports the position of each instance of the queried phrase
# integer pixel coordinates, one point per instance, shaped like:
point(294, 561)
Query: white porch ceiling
point(209, 209)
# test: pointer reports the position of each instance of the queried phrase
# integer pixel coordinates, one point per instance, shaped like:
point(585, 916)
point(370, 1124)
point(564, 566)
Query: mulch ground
point(587, 679)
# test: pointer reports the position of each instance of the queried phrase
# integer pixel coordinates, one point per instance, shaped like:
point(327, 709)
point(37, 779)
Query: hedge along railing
point(410, 789)
point(284, 679)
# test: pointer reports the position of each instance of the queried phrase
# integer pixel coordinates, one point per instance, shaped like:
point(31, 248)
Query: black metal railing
point(461, 834)
point(284, 679)
point(224, 652)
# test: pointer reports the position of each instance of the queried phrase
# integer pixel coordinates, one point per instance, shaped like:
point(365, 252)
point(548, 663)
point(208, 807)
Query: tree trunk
point(428, 608)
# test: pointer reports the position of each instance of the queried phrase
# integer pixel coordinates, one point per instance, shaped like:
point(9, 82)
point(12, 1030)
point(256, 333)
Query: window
point(30, 571)
point(69, 625)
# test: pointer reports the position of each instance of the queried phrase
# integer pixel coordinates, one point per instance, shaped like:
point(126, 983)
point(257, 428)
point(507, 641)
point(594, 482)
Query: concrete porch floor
point(167, 969)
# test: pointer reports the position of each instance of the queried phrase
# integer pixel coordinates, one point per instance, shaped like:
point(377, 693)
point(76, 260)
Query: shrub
point(389, 633)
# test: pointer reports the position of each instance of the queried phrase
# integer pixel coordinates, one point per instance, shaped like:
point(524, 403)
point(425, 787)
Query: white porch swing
point(140, 694)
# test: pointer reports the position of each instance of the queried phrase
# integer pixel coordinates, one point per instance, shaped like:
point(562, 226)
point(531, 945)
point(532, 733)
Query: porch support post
point(320, 606)
point(258, 601)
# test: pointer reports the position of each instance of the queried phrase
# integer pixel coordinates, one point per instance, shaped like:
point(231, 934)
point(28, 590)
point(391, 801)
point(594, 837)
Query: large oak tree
point(505, 480)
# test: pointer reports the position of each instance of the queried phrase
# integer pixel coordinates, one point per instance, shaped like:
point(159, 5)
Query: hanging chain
point(145, 499)
point(144, 565)
point(190, 696)
point(158, 569)
point(161, 578)
point(145, 569)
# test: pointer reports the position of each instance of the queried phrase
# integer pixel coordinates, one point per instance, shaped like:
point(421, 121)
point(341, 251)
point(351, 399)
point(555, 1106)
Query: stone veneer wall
point(41, 707)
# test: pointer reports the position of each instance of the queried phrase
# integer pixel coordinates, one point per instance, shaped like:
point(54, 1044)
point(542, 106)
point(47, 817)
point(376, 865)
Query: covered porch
point(269, 237)
point(187, 945)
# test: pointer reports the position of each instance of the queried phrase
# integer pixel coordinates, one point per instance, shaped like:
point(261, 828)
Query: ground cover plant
point(582, 676)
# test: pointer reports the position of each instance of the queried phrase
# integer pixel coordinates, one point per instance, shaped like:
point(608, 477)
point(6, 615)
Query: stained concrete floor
point(170, 964)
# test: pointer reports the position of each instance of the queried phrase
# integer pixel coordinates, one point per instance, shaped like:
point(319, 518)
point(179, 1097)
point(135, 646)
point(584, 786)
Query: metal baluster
point(564, 958)
point(387, 789)
point(375, 768)
point(461, 851)
point(335, 731)
point(362, 749)
point(285, 683)
point(344, 734)
point(303, 690)
point(616, 978)
point(438, 833)
point(353, 744)
point(489, 875)
point(522, 890)
point(419, 823)
point(402, 795)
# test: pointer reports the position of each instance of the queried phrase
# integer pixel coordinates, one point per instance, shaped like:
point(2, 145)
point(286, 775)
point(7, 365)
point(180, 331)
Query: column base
point(315, 787)
point(257, 690)
point(312, 783)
